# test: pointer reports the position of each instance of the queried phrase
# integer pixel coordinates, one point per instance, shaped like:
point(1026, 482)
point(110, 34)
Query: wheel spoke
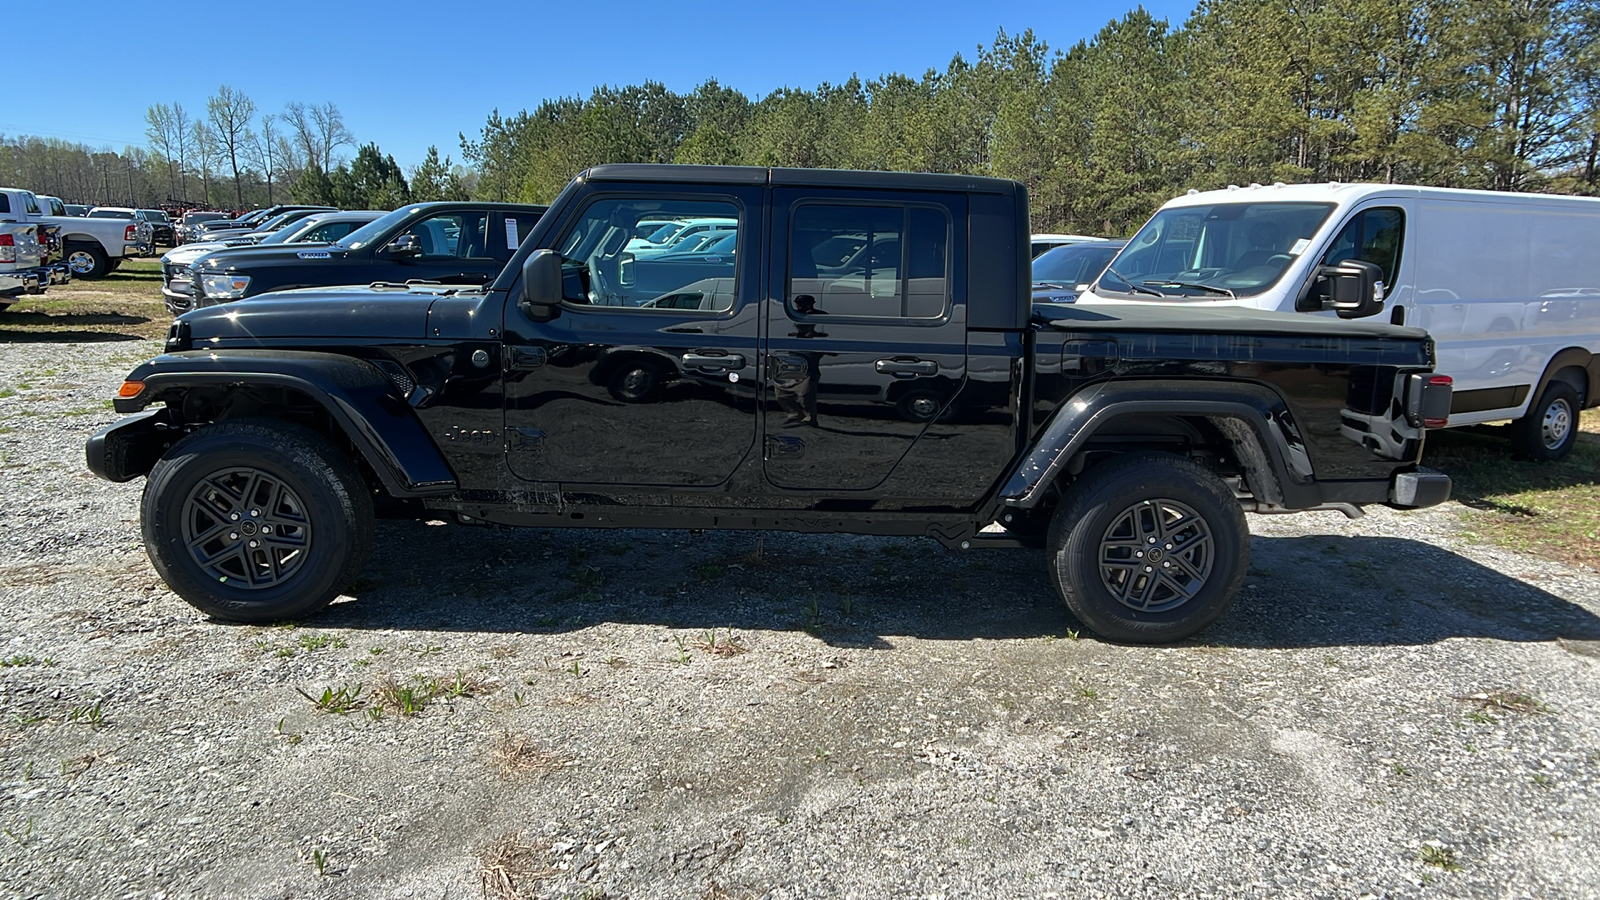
point(256, 551)
point(208, 534)
point(1156, 555)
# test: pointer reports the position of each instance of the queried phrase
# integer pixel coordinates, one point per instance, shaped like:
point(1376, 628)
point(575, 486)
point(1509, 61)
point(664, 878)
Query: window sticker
point(511, 234)
point(1299, 247)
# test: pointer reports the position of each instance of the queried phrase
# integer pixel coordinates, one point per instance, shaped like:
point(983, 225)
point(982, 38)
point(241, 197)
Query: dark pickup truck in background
point(1127, 444)
point(448, 242)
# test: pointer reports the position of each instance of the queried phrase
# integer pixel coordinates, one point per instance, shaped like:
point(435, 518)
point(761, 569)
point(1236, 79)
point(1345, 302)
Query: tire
point(1107, 512)
point(1550, 429)
point(635, 382)
point(87, 261)
point(313, 495)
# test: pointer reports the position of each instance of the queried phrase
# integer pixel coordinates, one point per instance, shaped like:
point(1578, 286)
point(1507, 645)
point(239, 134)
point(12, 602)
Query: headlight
point(223, 286)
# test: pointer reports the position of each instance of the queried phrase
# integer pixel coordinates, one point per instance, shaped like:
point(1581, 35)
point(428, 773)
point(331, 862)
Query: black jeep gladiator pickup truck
point(764, 387)
point(447, 242)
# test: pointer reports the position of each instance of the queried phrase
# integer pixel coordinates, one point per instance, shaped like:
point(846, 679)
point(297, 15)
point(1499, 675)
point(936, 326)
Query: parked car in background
point(686, 235)
point(1043, 242)
point(177, 274)
point(1061, 274)
point(162, 234)
point(51, 206)
point(1507, 284)
point(21, 270)
point(452, 242)
point(75, 209)
point(189, 226)
point(251, 219)
point(92, 246)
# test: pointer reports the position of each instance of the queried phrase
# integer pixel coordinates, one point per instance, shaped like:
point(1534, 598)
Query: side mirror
point(541, 285)
point(404, 245)
point(1354, 289)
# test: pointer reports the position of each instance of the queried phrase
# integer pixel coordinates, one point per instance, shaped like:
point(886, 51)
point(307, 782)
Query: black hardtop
point(472, 204)
point(1210, 319)
point(845, 178)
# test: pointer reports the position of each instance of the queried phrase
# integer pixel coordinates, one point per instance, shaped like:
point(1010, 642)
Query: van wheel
point(256, 520)
point(1148, 548)
point(636, 382)
point(1550, 428)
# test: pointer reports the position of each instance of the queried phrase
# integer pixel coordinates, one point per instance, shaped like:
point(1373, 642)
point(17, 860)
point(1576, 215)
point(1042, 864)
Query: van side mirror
point(541, 285)
point(1354, 289)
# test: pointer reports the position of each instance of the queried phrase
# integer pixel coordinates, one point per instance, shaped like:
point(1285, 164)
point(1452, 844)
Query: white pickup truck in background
point(93, 247)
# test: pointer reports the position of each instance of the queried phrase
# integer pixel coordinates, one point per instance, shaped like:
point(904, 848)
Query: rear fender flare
point(356, 395)
point(1253, 417)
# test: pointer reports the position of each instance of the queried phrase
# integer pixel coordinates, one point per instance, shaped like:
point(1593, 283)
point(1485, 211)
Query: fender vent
point(398, 376)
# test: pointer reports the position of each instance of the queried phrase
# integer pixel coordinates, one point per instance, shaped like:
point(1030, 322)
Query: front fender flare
point(355, 393)
point(1257, 407)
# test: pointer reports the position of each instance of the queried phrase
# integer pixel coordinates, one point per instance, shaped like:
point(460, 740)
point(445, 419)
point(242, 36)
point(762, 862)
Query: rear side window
point(869, 261)
point(330, 232)
point(1372, 235)
point(5, 203)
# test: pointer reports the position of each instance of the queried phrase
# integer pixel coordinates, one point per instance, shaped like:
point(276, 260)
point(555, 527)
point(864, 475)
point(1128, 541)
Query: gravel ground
point(1389, 711)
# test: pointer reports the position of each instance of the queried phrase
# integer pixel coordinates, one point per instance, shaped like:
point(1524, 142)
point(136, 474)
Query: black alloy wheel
point(247, 528)
point(1148, 548)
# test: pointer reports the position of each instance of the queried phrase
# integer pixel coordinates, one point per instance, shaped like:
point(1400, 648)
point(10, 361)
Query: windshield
point(1073, 265)
point(373, 230)
point(1213, 251)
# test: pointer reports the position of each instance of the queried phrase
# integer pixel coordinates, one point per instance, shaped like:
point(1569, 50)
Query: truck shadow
point(863, 592)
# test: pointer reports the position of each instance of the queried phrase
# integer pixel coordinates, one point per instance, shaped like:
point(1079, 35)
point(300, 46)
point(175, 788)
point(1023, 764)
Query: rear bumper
point(1419, 489)
point(31, 281)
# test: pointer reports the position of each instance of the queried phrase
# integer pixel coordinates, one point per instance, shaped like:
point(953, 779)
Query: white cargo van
point(1507, 284)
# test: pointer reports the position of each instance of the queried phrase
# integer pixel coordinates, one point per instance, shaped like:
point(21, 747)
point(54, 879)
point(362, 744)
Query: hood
point(1053, 292)
point(188, 253)
point(309, 317)
point(225, 259)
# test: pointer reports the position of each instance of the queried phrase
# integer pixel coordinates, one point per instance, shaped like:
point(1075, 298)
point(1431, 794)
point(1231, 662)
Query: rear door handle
point(713, 360)
point(906, 366)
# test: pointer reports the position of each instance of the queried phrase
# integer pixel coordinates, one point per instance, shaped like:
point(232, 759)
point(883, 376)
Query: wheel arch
point(1578, 368)
point(353, 395)
point(1252, 420)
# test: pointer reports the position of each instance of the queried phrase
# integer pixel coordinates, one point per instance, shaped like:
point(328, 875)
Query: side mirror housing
point(403, 246)
point(1354, 289)
point(541, 285)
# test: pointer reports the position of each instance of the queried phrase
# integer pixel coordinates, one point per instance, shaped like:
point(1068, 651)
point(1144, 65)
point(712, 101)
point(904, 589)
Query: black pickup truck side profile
point(764, 388)
point(446, 242)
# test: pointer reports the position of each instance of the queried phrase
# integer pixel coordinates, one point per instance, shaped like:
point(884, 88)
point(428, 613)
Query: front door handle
point(905, 366)
point(713, 360)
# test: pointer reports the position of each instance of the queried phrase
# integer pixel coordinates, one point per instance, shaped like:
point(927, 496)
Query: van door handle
point(713, 360)
point(906, 366)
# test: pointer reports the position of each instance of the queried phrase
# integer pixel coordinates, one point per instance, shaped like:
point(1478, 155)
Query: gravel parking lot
point(1389, 711)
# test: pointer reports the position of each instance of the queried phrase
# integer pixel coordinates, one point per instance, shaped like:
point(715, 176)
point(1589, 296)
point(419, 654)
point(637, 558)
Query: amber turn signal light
point(130, 389)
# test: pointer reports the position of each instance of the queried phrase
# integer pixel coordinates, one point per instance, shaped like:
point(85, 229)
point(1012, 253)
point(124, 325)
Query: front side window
point(454, 235)
point(1374, 236)
point(1214, 251)
point(869, 261)
point(606, 263)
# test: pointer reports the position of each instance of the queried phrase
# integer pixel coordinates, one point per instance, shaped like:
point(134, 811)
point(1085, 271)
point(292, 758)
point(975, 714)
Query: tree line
point(1496, 94)
point(230, 155)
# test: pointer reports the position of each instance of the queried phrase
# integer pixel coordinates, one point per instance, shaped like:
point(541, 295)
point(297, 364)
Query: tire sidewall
point(167, 490)
point(1082, 521)
point(94, 254)
point(1530, 437)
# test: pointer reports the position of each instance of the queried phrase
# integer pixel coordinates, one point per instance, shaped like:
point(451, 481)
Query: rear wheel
point(86, 261)
point(1550, 428)
point(256, 520)
point(1148, 548)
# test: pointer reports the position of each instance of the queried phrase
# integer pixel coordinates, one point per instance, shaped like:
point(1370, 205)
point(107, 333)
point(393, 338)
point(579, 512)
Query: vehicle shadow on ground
point(1483, 473)
point(852, 591)
point(63, 337)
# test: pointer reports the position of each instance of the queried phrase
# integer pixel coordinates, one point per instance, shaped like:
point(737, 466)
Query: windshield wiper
point(1196, 286)
point(1135, 288)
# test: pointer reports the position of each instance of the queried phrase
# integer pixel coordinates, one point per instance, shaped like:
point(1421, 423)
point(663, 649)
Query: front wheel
point(256, 520)
point(1550, 428)
point(1148, 548)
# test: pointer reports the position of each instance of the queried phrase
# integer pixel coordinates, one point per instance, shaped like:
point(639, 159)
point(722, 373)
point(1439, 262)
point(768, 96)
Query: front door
point(866, 334)
point(648, 374)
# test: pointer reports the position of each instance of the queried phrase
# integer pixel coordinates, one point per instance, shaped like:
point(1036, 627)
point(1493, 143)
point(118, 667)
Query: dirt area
point(1392, 709)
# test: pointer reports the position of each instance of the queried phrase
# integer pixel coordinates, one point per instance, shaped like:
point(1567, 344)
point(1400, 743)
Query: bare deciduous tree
point(230, 113)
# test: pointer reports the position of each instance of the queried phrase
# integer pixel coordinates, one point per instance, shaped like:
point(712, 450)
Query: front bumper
point(1419, 489)
point(130, 447)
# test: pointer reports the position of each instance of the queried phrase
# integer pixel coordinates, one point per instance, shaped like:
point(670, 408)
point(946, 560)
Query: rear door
point(866, 335)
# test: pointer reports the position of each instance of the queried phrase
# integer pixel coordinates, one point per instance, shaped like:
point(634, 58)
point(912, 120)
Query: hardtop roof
point(756, 175)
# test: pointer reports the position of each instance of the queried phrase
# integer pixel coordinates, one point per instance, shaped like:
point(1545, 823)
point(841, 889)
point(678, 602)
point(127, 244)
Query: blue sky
point(409, 74)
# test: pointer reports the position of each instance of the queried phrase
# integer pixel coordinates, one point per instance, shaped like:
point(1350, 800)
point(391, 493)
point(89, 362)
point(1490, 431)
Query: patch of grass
point(318, 641)
point(708, 571)
point(22, 659)
point(511, 868)
point(405, 699)
point(1510, 701)
point(92, 715)
point(1546, 509)
point(517, 753)
point(1439, 856)
point(338, 700)
point(727, 646)
point(124, 305)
